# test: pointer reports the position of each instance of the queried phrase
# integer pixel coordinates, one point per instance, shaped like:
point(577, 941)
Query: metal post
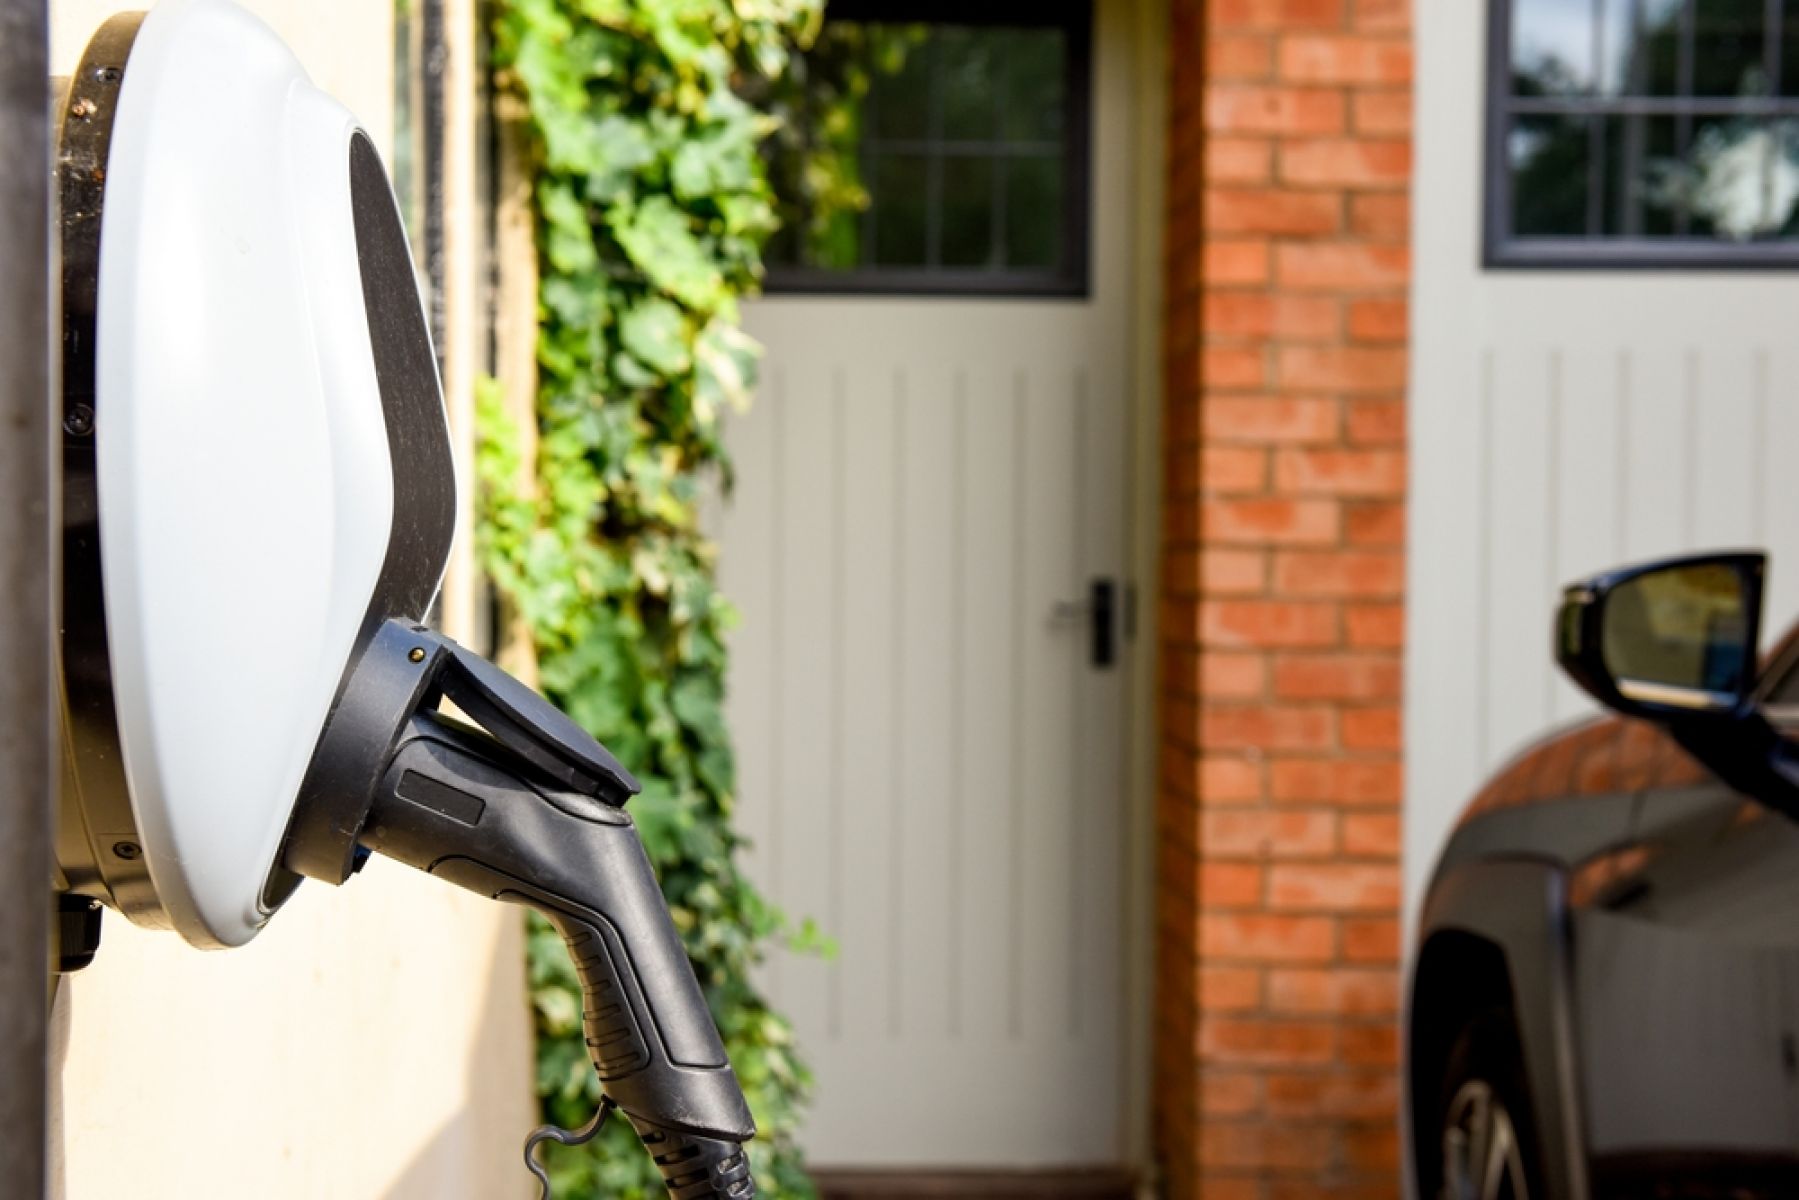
point(27, 699)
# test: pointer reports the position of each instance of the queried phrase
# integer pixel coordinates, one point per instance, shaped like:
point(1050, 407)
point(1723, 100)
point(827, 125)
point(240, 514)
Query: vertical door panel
point(985, 478)
point(802, 858)
point(868, 753)
point(922, 902)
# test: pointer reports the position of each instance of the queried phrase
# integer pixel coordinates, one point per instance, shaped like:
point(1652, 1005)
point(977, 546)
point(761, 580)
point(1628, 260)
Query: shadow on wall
point(457, 1152)
point(373, 1042)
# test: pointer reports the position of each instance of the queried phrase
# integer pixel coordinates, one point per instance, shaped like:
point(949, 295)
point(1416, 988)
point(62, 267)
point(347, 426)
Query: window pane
point(895, 61)
point(1789, 48)
point(1707, 162)
point(1552, 47)
point(913, 149)
point(899, 187)
point(1036, 83)
point(1549, 158)
point(1639, 151)
point(1034, 212)
point(1658, 48)
point(1740, 178)
point(1619, 64)
point(969, 83)
point(1728, 45)
point(968, 213)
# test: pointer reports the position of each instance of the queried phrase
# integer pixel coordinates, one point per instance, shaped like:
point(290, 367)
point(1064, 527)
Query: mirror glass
point(1681, 636)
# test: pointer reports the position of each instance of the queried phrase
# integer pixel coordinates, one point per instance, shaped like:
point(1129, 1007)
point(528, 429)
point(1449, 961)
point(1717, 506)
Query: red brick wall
point(1280, 619)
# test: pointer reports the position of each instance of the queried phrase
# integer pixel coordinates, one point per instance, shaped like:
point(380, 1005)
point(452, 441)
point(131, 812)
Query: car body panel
point(1648, 920)
point(1519, 906)
point(1687, 1002)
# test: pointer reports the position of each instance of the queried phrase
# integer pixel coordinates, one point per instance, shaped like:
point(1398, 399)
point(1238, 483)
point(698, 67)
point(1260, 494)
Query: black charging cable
point(565, 1137)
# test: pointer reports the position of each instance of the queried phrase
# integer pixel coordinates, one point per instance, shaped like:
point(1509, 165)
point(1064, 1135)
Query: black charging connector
point(525, 807)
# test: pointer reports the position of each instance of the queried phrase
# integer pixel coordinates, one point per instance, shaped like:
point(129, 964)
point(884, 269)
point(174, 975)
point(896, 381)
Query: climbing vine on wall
point(652, 209)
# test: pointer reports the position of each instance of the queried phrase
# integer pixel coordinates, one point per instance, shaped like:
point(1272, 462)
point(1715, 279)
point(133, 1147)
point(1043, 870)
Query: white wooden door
point(929, 763)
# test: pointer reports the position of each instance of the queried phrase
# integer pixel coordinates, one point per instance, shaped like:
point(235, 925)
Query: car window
point(1783, 670)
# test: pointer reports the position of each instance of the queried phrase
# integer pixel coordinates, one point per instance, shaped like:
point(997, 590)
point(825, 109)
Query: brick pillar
point(1280, 621)
point(1175, 1106)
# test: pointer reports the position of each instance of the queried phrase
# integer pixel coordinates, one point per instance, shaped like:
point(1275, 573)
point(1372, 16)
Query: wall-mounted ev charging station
point(258, 503)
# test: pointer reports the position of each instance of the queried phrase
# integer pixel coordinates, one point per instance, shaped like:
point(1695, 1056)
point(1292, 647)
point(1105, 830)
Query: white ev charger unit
point(258, 503)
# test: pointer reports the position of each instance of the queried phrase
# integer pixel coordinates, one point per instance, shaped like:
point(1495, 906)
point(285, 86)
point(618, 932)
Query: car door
point(1686, 969)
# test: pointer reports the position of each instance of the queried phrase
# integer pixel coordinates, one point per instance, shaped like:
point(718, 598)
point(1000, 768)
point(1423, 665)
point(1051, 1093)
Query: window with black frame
point(1643, 133)
point(936, 148)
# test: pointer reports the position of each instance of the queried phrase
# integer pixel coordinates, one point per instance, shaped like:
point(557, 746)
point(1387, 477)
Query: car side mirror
point(1670, 640)
point(1675, 642)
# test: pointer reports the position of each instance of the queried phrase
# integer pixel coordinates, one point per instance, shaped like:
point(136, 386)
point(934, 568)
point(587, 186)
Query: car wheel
point(1488, 1142)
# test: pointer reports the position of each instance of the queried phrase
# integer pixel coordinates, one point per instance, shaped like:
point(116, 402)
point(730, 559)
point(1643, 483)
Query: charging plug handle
point(459, 804)
point(528, 809)
point(403, 669)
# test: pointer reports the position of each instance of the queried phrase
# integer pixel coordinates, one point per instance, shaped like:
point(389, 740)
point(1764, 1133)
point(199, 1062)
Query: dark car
point(1605, 995)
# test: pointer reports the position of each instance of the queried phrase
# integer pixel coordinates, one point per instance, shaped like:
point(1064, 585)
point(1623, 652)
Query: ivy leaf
point(810, 939)
point(659, 238)
point(568, 235)
point(559, 1008)
point(681, 31)
point(717, 769)
point(617, 147)
point(657, 334)
point(746, 215)
point(693, 171)
point(698, 699)
point(726, 359)
point(616, 13)
point(573, 301)
point(662, 823)
point(724, 158)
point(561, 1068)
point(633, 373)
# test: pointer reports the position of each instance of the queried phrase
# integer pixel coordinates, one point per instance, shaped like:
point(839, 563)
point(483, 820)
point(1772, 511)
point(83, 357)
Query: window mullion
point(996, 227)
point(1598, 51)
point(808, 135)
point(1683, 120)
point(1596, 130)
point(1658, 106)
point(1595, 175)
point(1636, 69)
point(933, 199)
point(1771, 50)
point(865, 164)
point(1771, 47)
point(974, 149)
point(1501, 97)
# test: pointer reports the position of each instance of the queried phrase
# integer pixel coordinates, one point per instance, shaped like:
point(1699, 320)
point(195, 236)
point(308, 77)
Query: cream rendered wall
point(1561, 423)
point(374, 1041)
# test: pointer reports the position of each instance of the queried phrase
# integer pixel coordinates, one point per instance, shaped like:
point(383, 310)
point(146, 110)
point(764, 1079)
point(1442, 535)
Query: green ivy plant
point(653, 205)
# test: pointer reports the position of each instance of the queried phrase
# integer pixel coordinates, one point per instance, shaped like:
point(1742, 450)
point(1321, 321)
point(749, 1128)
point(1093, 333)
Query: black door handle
point(1102, 609)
